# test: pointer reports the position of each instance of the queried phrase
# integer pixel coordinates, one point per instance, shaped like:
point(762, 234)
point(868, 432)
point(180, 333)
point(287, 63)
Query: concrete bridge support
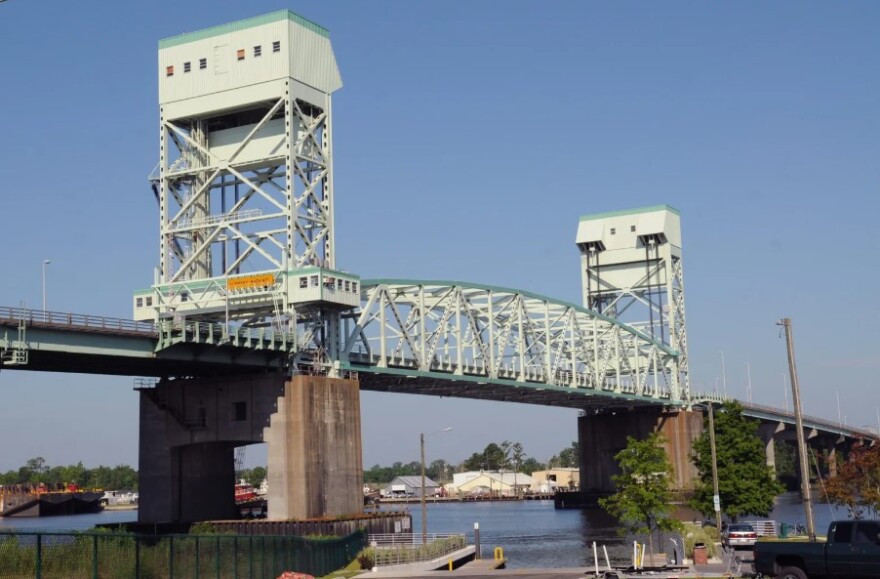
point(189, 429)
point(601, 436)
point(315, 456)
point(768, 432)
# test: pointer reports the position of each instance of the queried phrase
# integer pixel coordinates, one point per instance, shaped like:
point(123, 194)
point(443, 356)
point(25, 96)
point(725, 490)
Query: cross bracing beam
point(455, 329)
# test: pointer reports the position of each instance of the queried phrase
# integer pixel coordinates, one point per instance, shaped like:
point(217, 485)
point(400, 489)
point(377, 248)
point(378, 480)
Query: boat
point(44, 500)
point(244, 492)
point(251, 502)
point(119, 500)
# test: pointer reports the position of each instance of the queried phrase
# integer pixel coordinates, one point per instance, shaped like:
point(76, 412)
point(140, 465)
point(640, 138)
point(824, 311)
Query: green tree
point(643, 501)
point(493, 457)
point(567, 458)
point(786, 464)
point(438, 470)
point(256, 476)
point(745, 482)
point(530, 465)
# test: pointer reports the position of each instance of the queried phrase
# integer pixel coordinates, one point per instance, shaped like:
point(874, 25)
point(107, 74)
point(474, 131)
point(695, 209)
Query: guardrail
point(407, 548)
point(76, 321)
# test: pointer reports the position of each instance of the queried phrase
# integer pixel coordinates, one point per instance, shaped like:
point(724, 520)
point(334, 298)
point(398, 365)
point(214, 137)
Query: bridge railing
point(79, 321)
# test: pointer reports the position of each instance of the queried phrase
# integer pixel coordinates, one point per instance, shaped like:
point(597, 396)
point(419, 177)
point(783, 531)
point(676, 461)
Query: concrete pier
point(602, 436)
point(189, 429)
point(315, 465)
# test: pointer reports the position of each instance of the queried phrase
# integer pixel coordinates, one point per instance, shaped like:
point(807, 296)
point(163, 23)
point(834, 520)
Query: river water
point(532, 533)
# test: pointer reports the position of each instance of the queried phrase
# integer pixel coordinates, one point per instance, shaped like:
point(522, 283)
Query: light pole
point(424, 504)
point(749, 382)
point(45, 263)
point(837, 393)
point(723, 374)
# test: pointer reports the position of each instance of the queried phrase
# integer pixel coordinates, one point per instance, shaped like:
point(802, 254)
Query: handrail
point(79, 321)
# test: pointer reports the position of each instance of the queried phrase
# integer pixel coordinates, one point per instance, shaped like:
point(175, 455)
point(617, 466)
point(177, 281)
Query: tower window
point(203, 63)
point(258, 50)
point(632, 227)
point(169, 71)
point(186, 67)
point(276, 46)
point(240, 54)
point(613, 231)
point(140, 302)
point(239, 411)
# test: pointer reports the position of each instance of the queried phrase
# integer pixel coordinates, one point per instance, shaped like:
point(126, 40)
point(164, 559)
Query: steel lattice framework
point(455, 329)
point(274, 210)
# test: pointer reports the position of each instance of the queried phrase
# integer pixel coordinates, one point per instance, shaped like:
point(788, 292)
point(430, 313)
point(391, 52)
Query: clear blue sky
point(469, 138)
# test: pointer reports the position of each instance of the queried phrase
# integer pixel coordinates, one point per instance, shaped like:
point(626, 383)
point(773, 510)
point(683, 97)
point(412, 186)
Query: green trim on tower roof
point(243, 25)
point(635, 211)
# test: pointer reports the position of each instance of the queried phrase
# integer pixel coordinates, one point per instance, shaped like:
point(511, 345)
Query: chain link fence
point(98, 555)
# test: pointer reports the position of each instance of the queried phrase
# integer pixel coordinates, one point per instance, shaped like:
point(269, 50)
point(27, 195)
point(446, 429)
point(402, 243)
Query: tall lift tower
point(631, 270)
point(245, 183)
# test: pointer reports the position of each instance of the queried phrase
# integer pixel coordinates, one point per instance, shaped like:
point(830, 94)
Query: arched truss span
point(451, 329)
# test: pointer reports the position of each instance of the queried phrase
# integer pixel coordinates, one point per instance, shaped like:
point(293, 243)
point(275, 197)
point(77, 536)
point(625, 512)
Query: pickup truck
point(851, 550)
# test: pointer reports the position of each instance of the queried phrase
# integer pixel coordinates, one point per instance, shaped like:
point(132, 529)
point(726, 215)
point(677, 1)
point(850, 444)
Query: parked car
point(739, 535)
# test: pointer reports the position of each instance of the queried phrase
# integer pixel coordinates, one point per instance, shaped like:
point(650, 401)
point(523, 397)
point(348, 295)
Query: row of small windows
point(240, 55)
point(338, 284)
point(141, 302)
point(631, 228)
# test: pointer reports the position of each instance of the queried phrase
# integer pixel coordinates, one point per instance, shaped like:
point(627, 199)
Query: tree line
point(36, 471)
point(503, 456)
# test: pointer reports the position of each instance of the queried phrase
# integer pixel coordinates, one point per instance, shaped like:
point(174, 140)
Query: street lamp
point(723, 374)
point(45, 263)
point(424, 504)
point(748, 382)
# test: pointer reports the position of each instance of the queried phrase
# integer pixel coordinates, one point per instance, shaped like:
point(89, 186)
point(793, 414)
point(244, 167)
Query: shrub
point(366, 560)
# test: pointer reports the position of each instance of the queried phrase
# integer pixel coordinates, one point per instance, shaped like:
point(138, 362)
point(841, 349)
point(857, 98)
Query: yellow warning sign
point(250, 281)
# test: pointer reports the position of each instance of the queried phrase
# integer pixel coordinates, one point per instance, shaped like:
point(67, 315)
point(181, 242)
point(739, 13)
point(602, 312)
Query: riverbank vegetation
point(36, 471)
point(503, 456)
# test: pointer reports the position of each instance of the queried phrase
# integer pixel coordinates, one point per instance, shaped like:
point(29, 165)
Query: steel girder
point(457, 329)
point(221, 217)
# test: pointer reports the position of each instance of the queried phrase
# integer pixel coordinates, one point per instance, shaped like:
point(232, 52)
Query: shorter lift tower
point(245, 185)
point(631, 270)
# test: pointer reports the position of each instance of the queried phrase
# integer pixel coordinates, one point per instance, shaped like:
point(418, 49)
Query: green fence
point(96, 555)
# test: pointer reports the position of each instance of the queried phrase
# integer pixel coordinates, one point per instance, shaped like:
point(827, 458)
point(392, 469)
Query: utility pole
point(799, 421)
point(716, 498)
point(424, 506)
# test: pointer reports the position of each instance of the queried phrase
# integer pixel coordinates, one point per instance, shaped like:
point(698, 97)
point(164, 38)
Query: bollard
point(477, 550)
point(450, 563)
point(498, 554)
